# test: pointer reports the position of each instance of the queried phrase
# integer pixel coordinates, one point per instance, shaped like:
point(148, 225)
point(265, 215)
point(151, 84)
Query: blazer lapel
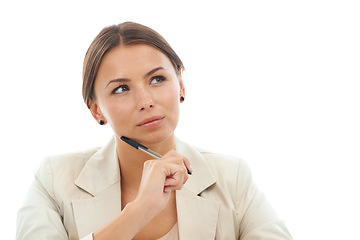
point(92, 213)
point(197, 216)
point(100, 178)
point(101, 202)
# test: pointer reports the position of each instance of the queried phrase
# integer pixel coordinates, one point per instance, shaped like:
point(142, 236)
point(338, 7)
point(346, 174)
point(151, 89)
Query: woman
point(132, 81)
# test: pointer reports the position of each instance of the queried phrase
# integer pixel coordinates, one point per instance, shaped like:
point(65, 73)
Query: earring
point(182, 98)
point(101, 122)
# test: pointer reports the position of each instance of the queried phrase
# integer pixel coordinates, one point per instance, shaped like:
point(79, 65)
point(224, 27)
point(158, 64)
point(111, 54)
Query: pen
point(141, 147)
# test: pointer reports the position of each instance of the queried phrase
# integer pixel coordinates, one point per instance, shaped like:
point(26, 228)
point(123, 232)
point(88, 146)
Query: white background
point(276, 83)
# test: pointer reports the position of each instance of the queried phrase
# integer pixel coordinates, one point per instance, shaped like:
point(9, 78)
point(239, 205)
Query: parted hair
point(127, 33)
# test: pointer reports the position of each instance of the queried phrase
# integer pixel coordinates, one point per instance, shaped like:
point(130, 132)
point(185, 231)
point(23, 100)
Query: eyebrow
point(121, 80)
point(153, 71)
point(128, 80)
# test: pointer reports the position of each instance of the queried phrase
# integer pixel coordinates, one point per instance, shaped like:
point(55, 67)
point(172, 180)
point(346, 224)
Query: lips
point(151, 121)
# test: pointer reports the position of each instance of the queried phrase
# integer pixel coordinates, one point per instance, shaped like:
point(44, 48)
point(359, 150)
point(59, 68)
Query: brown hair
point(127, 33)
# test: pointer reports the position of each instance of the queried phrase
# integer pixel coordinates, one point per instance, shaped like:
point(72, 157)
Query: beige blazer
point(75, 194)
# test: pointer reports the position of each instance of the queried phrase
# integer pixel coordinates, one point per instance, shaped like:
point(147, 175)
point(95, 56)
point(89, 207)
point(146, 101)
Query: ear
point(182, 88)
point(96, 111)
point(181, 83)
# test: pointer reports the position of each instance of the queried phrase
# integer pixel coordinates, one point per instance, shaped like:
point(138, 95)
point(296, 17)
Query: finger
point(168, 189)
point(175, 182)
point(188, 165)
point(171, 153)
point(178, 176)
point(179, 159)
point(174, 187)
point(175, 169)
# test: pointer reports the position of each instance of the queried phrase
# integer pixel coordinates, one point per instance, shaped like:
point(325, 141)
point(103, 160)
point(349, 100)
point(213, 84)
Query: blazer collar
point(100, 171)
point(104, 167)
point(197, 216)
point(100, 177)
point(203, 177)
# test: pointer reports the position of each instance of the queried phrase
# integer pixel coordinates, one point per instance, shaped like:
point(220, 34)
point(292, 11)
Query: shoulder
point(223, 160)
point(223, 164)
point(74, 162)
point(220, 177)
point(222, 168)
point(66, 162)
point(227, 169)
point(63, 168)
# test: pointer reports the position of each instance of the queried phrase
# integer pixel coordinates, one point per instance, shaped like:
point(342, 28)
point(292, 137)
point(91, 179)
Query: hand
point(159, 178)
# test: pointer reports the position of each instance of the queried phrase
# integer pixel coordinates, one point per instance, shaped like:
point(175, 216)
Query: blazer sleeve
point(258, 220)
point(39, 218)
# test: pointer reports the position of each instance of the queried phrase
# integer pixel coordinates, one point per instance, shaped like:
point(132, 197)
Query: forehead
point(126, 60)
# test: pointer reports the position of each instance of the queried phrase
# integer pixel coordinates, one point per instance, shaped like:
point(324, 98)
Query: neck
point(131, 160)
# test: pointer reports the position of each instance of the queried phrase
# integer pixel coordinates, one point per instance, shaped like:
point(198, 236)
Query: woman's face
point(137, 92)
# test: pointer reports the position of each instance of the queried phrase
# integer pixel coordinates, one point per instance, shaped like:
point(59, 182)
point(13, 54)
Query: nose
point(144, 100)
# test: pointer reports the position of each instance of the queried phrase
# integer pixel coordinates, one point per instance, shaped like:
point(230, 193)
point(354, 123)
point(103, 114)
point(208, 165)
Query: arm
point(39, 218)
point(125, 226)
point(159, 178)
point(257, 218)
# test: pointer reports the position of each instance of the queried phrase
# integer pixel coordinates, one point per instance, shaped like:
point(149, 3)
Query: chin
point(156, 138)
point(152, 137)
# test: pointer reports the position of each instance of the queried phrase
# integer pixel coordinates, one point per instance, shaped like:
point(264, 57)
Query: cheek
point(172, 103)
point(116, 114)
point(119, 120)
point(173, 92)
point(170, 96)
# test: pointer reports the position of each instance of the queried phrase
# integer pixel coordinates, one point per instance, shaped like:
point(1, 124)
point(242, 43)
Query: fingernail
point(190, 170)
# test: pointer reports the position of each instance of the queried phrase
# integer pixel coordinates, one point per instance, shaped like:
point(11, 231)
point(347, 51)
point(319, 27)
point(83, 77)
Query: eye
point(157, 79)
point(121, 89)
